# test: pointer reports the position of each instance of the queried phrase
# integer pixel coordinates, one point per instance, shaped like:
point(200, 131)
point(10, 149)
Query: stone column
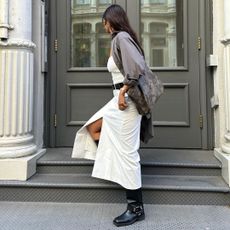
point(16, 92)
point(226, 42)
point(226, 146)
point(222, 152)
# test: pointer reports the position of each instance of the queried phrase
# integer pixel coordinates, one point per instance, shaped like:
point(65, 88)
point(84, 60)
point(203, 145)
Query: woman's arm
point(121, 98)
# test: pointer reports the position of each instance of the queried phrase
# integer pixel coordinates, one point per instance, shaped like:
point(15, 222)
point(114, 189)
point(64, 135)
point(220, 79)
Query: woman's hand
point(121, 98)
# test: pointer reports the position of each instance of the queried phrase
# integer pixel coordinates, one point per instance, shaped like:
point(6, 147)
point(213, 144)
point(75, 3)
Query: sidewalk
point(78, 216)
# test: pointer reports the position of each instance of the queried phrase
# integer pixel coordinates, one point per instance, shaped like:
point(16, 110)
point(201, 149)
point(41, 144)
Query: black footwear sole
point(142, 217)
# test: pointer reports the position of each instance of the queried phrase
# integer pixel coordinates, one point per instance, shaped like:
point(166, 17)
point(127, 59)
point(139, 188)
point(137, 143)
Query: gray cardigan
point(129, 59)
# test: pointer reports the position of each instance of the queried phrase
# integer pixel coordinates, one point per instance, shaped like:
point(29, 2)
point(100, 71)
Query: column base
point(19, 168)
point(225, 160)
point(18, 151)
point(226, 146)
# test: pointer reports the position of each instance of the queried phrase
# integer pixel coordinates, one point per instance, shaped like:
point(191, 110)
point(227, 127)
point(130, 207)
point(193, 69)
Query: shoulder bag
point(146, 93)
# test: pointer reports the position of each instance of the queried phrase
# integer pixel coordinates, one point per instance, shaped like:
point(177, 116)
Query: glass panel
point(82, 2)
point(157, 1)
point(90, 44)
point(162, 32)
point(104, 1)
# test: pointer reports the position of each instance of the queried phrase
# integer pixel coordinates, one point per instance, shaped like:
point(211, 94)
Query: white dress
point(116, 157)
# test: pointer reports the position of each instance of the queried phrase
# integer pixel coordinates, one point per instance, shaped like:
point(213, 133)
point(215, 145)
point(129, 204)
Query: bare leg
point(94, 129)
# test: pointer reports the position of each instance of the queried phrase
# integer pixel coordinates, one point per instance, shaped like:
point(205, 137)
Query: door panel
point(168, 31)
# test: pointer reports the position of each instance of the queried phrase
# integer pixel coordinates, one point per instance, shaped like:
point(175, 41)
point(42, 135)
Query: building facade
point(53, 58)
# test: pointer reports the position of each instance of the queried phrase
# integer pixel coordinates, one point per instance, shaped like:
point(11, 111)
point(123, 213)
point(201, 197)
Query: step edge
point(102, 184)
point(107, 186)
point(145, 164)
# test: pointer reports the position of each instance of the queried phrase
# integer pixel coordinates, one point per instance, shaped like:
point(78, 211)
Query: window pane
point(162, 32)
point(81, 2)
point(157, 1)
point(90, 44)
point(104, 1)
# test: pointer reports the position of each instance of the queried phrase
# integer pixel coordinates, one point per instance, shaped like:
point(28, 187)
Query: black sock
point(134, 195)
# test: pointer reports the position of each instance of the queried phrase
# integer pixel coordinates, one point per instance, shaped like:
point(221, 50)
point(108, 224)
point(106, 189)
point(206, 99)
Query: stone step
point(153, 161)
point(164, 189)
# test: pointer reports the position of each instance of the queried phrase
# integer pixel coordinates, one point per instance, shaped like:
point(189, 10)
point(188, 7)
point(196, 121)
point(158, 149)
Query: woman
point(111, 137)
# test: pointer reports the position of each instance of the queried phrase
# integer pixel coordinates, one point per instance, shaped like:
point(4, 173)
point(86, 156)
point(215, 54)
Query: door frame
point(206, 81)
point(51, 79)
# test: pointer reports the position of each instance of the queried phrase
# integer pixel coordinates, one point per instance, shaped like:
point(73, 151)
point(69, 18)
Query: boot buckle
point(137, 209)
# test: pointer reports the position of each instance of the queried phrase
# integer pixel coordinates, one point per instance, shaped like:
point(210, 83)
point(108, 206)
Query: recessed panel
point(172, 109)
point(85, 100)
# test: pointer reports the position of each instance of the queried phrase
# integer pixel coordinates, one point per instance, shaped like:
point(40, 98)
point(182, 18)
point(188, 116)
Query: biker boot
point(135, 212)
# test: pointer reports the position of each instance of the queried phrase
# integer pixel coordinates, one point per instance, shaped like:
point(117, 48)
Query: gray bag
point(146, 93)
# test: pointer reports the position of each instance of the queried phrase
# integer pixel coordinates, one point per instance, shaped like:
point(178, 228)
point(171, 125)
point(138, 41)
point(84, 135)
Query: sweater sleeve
point(132, 61)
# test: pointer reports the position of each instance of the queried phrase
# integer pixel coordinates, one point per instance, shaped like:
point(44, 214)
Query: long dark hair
point(117, 18)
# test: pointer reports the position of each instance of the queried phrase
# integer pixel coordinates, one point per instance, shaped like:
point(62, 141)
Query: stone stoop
point(187, 177)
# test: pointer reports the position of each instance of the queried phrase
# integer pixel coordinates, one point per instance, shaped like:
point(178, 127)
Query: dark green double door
point(169, 32)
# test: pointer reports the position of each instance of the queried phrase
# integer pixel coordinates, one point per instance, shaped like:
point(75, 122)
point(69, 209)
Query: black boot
point(135, 212)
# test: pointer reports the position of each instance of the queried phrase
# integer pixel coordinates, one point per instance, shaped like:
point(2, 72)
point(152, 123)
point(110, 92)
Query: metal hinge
point(55, 120)
point(201, 121)
point(55, 45)
point(199, 43)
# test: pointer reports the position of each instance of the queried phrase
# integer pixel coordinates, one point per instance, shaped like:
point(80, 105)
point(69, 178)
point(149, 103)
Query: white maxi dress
point(116, 157)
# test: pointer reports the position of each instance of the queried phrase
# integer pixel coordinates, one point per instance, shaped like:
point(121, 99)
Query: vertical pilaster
point(222, 152)
point(226, 146)
point(226, 42)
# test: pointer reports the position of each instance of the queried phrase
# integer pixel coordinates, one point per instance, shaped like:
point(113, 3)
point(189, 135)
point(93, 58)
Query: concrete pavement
point(82, 216)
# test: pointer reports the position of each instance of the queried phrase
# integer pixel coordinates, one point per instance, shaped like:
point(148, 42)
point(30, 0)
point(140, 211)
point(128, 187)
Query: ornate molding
point(22, 43)
point(226, 148)
point(17, 151)
point(16, 140)
point(6, 26)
